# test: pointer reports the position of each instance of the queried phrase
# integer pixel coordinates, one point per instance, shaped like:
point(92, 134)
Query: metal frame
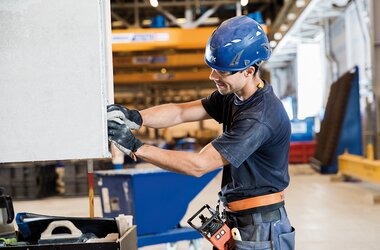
point(181, 13)
point(306, 27)
point(375, 41)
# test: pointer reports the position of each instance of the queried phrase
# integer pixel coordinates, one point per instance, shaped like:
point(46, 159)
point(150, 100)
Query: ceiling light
point(117, 24)
point(146, 22)
point(181, 20)
point(300, 3)
point(273, 44)
point(277, 36)
point(154, 3)
point(284, 27)
point(291, 16)
point(244, 2)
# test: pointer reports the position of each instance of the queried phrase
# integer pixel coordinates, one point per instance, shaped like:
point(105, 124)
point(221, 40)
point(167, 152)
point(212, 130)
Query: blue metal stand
point(156, 198)
point(174, 235)
point(350, 136)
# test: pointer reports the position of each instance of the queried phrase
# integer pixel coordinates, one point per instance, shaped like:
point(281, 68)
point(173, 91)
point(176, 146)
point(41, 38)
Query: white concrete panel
point(55, 79)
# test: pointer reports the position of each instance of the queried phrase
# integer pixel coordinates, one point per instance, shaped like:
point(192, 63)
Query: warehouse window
point(310, 79)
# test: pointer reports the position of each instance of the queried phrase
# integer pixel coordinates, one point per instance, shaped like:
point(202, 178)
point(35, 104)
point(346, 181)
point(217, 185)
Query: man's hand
point(122, 137)
point(132, 118)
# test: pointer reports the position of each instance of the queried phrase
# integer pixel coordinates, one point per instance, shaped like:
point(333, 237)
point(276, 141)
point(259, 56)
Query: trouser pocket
point(287, 240)
point(253, 245)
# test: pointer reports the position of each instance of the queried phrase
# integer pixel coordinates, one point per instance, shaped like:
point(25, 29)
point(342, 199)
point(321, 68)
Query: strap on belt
point(258, 201)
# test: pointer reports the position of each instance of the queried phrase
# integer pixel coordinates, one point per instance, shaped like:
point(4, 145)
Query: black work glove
point(122, 137)
point(132, 118)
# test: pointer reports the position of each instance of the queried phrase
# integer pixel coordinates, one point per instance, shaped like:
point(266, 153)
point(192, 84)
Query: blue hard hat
point(236, 44)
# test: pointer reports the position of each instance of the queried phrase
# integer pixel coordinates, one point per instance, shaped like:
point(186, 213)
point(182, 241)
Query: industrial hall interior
point(190, 124)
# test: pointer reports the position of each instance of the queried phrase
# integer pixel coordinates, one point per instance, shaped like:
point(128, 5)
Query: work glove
point(132, 118)
point(122, 137)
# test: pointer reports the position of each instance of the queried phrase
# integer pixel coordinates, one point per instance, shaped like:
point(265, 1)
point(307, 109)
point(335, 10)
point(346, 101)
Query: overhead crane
point(163, 55)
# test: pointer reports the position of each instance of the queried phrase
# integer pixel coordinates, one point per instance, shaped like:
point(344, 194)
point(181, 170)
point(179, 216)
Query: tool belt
point(254, 202)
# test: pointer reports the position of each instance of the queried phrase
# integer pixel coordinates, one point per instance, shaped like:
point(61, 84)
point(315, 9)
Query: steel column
point(375, 32)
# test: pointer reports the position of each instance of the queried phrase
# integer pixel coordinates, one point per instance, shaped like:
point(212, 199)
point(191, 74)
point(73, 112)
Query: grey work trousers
point(263, 230)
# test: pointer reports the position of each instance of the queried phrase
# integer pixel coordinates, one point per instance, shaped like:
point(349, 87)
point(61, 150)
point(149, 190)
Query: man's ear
point(250, 71)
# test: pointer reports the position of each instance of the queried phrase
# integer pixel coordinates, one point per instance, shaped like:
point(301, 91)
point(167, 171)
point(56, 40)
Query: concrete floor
point(327, 215)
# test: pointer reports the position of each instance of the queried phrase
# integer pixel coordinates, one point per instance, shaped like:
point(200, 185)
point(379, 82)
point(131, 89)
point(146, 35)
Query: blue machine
point(257, 16)
point(186, 144)
point(158, 22)
point(302, 130)
point(156, 198)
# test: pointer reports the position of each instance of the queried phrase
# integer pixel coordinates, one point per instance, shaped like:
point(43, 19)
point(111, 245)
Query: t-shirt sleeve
point(213, 105)
point(243, 139)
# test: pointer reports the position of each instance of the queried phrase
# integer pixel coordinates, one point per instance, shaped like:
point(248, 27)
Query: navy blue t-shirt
point(255, 141)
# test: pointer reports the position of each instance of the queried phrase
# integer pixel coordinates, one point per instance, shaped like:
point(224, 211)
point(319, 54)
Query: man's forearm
point(171, 114)
point(190, 163)
point(162, 116)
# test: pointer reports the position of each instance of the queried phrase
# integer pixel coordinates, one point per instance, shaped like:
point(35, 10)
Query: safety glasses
point(230, 73)
point(225, 73)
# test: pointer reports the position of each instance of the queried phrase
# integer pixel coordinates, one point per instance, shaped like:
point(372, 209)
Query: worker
point(253, 148)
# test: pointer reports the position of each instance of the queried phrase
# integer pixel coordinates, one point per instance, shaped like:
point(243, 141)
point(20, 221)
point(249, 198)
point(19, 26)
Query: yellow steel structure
point(359, 167)
point(160, 38)
point(162, 60)
point(151, 77)
point(173, 50)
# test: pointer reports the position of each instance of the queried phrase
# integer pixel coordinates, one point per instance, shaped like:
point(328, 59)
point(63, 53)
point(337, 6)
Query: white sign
point(140, 37)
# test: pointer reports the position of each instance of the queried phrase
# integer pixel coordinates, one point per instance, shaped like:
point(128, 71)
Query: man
point(253, 147)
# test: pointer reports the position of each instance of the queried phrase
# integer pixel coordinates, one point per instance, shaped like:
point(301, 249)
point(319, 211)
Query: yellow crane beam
point(152, 77)
point(172, 60)
point(160, 38)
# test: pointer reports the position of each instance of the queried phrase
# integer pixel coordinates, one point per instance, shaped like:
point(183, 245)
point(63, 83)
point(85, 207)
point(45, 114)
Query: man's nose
point(213, 75)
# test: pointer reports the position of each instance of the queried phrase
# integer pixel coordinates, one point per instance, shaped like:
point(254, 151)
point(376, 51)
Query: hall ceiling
point(188, 13)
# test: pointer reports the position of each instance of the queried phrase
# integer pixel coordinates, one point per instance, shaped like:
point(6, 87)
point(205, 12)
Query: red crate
point(300, 152)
